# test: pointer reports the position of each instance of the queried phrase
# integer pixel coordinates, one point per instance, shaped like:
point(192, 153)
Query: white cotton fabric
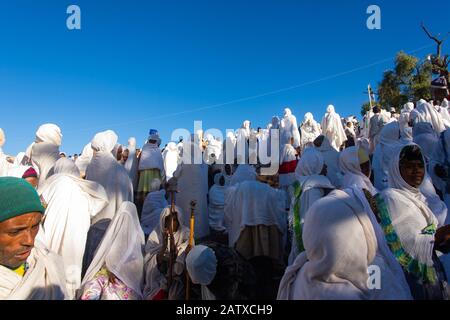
point(121, 250)
point(384, 152)
point(217, 204)
point(171, 159)
point(154, 279)
point(131, 165)
point(151, 158)
point(440, 156)
point(309, 130)
point(289, 128)
point(426, 138)
point(105, 170)
point(433, 201)
point(331, 159)
point(44, 280)
point(71, 204)
point(288, 154)
point(85, 158)
point(313, 187)
point(154, 204)
point(340, 244)
point(201, 263)
point(350, 167)
point(244, 172)
point(253, 203)
point(409, 214)
point(428, 114)
point(43, 157)
point(332, 128)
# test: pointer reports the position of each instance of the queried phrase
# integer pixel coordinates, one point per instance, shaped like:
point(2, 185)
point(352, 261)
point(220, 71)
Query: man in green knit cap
point(27, 269)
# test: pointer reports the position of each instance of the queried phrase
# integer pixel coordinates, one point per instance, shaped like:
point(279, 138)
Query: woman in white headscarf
point(45, 150)
point(410, 226)
point(332, 128)
point(312, 184)
point(289, 129)
point(131, 165)
point(192, 184)
point(154, 204)
point(389, 141)
point(116, 272)
point(244, 172)
point(105, 170)
point(340, 250)
point(157, 252)
point(427, 113)
point(426, 138)
point(84, 159)
point(331, 159)
point(171, 159)
point(309, 130)
point(355, 165)
point(71, 204)
point(217, 203)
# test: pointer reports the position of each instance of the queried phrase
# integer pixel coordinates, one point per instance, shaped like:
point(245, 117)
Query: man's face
point(17, 238)
point(413, 172)
point(125, 155)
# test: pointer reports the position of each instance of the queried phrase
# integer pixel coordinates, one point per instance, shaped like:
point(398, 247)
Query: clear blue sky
point(136, 63)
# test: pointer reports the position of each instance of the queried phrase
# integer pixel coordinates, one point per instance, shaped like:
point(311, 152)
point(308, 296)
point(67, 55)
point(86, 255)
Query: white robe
point(72, 203)
point(154, 204)
point(350, 167)
point(253, 203)
point(332, 128)
point(131, 165)
point(171, 159)
point(289, 129)
point(216, 205)
point(121, 251)
point(309, 129)
point(331, 159)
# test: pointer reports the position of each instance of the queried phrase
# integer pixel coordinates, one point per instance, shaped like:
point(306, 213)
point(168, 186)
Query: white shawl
point(154, 204)
point(85, 158)
point(289, 128)
point(171, 160)
point(349, 164)
point(309, 130)
point(72, 203)
point(427, 113)
point(131, 165)
point(253, 203)
point(121, 250)
point(331, 159)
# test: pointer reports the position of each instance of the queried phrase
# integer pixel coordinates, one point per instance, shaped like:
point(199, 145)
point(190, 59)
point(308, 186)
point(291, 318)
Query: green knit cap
point(17, 197)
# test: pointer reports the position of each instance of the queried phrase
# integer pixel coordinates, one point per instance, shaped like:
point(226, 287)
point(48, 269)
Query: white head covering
point(445, 103)
point(350, 166)
point(104, 141)
point(201, 263)
point(85, 158)
point(427, 113)
point(333, 227)
point(244, 172)
point(310, 163)
point(121, 250)
point(66, 166)
point(50, 133)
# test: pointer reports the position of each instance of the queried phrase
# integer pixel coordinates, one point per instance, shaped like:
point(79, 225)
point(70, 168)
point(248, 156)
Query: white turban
point(201, 263)
point(49, 133)
point(104, 141)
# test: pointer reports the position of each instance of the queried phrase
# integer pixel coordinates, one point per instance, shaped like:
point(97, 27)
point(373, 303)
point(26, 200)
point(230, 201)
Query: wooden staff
point(190, 245)
point(172, 249)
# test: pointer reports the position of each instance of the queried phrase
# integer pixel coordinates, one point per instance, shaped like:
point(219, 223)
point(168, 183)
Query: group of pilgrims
point(356, 210)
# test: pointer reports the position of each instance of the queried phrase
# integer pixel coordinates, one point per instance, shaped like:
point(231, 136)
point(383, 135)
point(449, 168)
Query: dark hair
point(411, 153)
point(376, 109)
point(319, 140)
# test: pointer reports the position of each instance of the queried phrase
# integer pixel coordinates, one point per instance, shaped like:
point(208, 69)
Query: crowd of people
point(356, 210)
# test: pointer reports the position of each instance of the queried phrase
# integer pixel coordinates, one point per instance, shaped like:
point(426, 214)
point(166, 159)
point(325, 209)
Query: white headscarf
point(309, 129)
point(50, 133)
point(72, 202)
point(244, 172)
point(289, 129)
point(85, 158)
point(131, 165)
point(428, 114)
point(426, 138)
point(154, 203)
point(105, 170)
point(336, 261)
point(331, 159)
point(350, 166)
point(121, 250)
point(409, 213)
point(201, 263)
